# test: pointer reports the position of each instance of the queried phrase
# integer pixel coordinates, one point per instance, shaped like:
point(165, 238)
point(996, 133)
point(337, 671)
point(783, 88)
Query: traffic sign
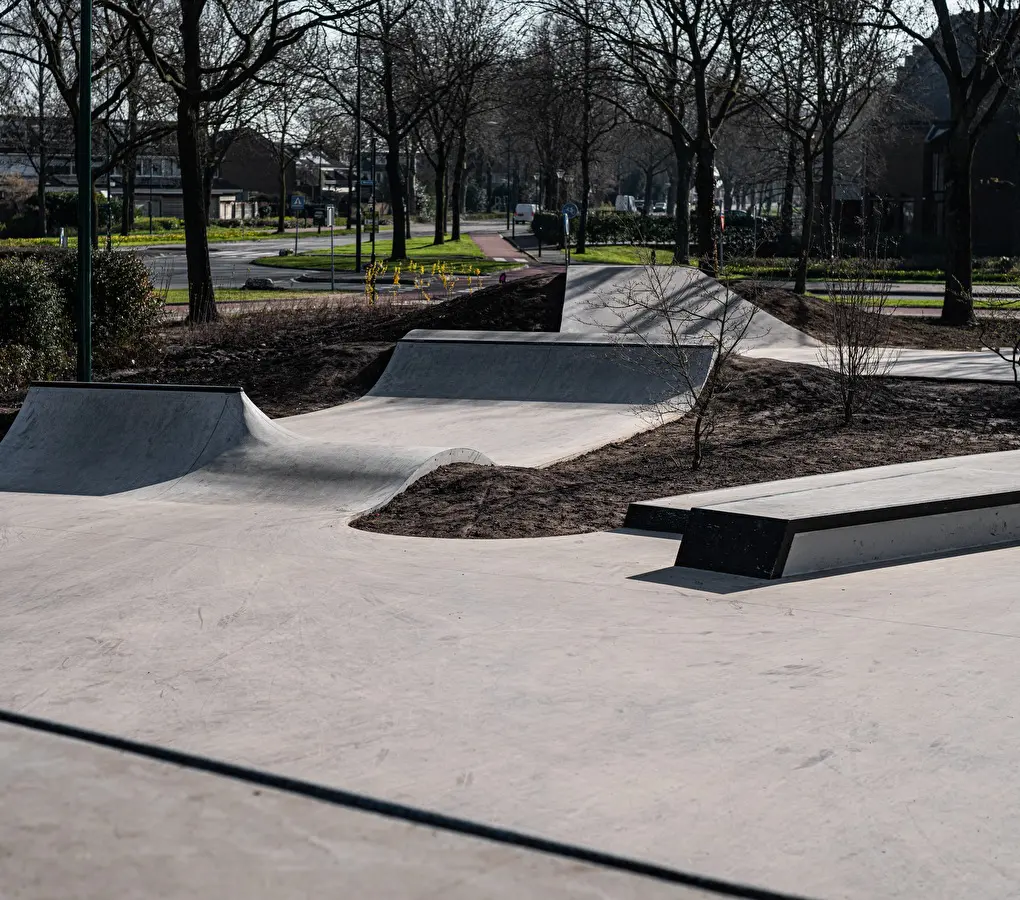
point(570, 210)
point(297, 203)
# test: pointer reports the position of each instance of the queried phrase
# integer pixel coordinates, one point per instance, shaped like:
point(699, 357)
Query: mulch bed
point(814, 317)
point(776, 421)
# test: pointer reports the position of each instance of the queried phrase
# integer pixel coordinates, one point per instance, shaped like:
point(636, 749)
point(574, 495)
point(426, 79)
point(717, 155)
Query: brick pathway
point(494, 247)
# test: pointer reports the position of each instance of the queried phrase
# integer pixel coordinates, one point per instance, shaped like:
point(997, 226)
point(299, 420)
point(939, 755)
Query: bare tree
point(286, 98)
point(975, 45)
point(857, 348)
point(176, 37)
point(999, 326)
point(823, 67)
point(675, 316)
point(689, 58)
point(52, 27)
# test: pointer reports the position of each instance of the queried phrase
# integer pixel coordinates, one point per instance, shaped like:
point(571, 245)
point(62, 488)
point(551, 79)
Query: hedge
point(38, 295)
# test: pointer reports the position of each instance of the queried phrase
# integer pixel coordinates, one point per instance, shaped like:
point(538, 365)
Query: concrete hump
point(198, 445)
point(542, 367)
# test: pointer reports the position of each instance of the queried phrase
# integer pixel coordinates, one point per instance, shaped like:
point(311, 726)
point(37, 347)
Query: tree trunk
point(646, 207)
point(439, 229)
point(201, 297)
point(728, 187)
point(43, 152)
point(350, 194)
point(41, 193)
point(807, 222)
point(826, 191)
point(488, 189)
point(281, 212)
point(705, 210)
point(582, 225)
point(682, 218)
point(958, 301)
point(786, 210)
point(459, 170)
point(400, 224)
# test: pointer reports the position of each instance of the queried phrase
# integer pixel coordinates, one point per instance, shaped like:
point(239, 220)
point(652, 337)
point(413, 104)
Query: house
point(909, 195)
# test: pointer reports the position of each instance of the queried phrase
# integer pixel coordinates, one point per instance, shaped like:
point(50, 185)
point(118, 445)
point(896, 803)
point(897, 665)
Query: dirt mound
point(775, 415)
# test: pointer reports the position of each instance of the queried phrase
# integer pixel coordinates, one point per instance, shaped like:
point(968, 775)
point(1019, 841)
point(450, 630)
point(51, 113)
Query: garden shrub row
point(38, 291)
point(743, 236)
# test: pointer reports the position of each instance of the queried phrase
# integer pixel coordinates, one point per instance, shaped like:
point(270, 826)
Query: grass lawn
point(143, 238)
point(927, 302)
point(463, 256)
point(616, 254)
point(179, 296)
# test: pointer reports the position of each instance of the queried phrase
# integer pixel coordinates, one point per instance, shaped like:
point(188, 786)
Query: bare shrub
point(999, 328)
point(858, 347)
point(673, 312)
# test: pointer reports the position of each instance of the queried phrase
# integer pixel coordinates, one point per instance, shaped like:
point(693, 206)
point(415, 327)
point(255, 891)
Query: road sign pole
point(332, 267)
point(295, 212)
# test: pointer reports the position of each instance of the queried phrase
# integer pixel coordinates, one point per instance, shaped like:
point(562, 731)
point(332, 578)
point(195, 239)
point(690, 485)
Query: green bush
point(36, 332)
point(125, 307)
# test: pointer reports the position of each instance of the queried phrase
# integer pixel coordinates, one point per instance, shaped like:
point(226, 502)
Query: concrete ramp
point(522, 399)
point(196, 445)
point(541, 367)
point(619, 299)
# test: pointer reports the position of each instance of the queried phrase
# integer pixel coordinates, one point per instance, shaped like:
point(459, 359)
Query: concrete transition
point(523, 399)
point(195, 444)
point(825, 522)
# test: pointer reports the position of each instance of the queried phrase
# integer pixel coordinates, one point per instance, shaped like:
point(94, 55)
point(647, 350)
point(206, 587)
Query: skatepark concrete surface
point(120, 825)
point(602, 298)
point(852, 736)
point(838, 738)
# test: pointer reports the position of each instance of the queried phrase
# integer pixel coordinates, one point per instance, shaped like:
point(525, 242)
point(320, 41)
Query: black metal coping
point(113, 386)
point(650, 517)
point(758, 546)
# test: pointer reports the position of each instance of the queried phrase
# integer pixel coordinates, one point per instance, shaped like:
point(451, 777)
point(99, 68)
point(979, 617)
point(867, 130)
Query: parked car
point(659, 207)
point(524, 213)
point(626, 203)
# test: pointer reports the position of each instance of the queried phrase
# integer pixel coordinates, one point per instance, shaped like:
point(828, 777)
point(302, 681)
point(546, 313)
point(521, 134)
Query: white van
point(524, 213)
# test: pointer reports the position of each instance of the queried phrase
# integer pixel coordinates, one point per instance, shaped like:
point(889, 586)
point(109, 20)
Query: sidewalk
point(496, 247)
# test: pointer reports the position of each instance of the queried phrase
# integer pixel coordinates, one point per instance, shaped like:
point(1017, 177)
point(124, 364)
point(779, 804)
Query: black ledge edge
point(117, 386)
point(649, 517)
point(758, 546)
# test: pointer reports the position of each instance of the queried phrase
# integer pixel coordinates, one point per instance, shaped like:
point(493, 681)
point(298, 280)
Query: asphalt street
point(232, 262)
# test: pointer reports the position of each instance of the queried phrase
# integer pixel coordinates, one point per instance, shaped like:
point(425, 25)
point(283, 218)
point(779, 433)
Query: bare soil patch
point(814, 317)
point(777, 420)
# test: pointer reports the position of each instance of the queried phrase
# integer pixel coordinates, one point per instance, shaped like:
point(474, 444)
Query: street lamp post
point(84, 153)
point(559, 175)
point(357, 149)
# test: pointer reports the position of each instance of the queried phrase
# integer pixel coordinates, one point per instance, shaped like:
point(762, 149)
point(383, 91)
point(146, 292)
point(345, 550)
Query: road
point(232, 262)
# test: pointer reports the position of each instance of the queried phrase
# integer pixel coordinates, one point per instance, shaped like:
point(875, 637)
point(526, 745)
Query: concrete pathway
point(951, 365)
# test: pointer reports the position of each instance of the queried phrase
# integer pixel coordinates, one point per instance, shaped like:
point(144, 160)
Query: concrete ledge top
point(126, 386)
point(538, 337)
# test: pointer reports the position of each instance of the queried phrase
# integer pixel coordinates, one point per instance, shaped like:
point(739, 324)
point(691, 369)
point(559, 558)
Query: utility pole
point(85, 195)
point(357, 147)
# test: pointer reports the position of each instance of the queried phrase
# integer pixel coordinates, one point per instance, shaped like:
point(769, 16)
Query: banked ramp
point(195, 444)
